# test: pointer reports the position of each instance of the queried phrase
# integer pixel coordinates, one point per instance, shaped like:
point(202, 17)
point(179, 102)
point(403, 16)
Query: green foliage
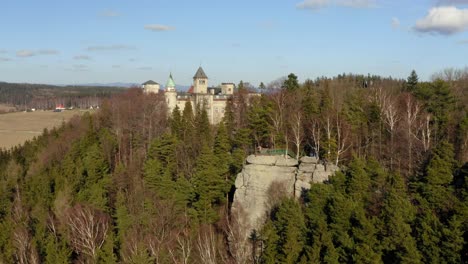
point(209, 186)
point(438, 177)
point(258, 117)
point(160, 186)
point(284, 236)
point(291, 83)
point(412, 82)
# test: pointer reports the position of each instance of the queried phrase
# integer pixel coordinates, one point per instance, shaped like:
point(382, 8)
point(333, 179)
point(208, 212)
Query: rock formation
point(260, 172)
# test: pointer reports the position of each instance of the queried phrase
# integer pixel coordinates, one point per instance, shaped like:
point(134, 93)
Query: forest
point(26, 96)
point(132, 183)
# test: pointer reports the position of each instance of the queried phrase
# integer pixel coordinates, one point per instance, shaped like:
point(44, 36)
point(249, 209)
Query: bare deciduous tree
point(316, 130)
point(25, 252)
point(237, 233)
point(391, 118)
point(297, 131)
point(425, 132)
point(207, 246)
point(87, 229)
point(412, 110)
point(182, 251)
point(342, 135)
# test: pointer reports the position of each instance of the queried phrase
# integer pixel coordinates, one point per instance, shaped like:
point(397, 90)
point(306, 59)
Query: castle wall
point(151, 88)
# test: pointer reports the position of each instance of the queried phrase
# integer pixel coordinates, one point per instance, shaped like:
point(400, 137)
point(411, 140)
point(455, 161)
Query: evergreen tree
point(412, 82)
point(291, 84)
point(262, 87)
point(176, 123)
point(437, 189)
point(209, 186)
point(398, 214)
point(203, 127)
point(284, 237)
point(258, 117)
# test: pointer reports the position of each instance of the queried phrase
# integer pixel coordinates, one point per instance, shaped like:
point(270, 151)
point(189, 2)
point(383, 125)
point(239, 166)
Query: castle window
point(201, 82)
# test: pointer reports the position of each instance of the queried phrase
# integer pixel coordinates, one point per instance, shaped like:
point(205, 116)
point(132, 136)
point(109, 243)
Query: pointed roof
point(200, 74)
point(170, 82)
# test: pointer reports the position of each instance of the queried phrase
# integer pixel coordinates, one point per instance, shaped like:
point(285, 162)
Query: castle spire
point(170, 85)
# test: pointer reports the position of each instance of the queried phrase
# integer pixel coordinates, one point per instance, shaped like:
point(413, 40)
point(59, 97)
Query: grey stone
point(253, 182)
point(320, 176)
point(307, 159)
point(300, 187)
point(262, 160)
point(286, 162)
point(319, 167)
point(307, 167)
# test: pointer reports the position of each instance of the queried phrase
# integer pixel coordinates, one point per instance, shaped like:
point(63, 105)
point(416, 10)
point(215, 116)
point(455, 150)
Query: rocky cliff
point(253, 194)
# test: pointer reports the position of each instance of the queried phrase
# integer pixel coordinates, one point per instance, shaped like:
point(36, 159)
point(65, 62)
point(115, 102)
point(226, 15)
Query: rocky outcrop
point(311, 171)
point(260, 172)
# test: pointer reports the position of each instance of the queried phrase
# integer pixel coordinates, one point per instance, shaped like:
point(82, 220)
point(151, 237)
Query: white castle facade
point(213, 99)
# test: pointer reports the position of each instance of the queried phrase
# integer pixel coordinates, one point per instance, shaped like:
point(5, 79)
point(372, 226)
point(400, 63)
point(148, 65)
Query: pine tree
point(437, 187)
point(209, 186)
point(291, 84)
point(176, 123)
point(284, 236)
point(397, 215)
point(259, 125)
point(412, 82)
point(358, 181)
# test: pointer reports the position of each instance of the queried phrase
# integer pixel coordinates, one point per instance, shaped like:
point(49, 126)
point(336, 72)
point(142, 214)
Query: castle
point(214, 99)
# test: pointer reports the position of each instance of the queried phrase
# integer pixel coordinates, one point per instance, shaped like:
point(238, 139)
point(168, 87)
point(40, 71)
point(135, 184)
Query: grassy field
point(16, 128)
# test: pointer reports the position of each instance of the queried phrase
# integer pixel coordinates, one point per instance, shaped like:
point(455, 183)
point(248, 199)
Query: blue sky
point(89, 41)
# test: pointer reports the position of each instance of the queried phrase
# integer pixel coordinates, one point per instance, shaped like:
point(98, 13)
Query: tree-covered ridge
point(42, 96)
point(130, 185)
point(367, 214)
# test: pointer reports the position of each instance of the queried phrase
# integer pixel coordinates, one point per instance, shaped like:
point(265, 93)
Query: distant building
point(150, 87)
point(214, 99)
point(60, 107)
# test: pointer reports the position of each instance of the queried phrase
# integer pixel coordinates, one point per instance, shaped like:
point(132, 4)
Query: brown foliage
point(87, 229)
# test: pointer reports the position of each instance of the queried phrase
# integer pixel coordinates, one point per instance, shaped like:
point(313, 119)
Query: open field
point(16, 128)
point(4, 108)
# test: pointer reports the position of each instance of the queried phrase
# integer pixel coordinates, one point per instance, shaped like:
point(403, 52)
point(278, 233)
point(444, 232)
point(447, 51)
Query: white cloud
point(110, 47)
point(317, 4)
point(82, 57)
point(116, 66)
point(356, 3)
point(4, 59)
point(463, 42)
point(110, 13)
point(145, 68)
point(25, 53)
point(313, 4)
point(395, 22)
point(444, 20)
point(158, 27)
point(3, 51)
point(30, 53)
point(453, 2)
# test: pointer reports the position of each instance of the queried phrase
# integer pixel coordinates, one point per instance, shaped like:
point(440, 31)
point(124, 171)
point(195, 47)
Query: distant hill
point(116, 84)
point(44, 96)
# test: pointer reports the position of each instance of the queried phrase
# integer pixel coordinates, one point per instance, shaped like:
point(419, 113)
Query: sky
point(107, 41)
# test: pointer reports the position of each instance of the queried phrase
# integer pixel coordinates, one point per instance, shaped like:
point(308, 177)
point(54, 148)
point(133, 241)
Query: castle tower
point(171, 94)
point(200, 82)
point(150, 87)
